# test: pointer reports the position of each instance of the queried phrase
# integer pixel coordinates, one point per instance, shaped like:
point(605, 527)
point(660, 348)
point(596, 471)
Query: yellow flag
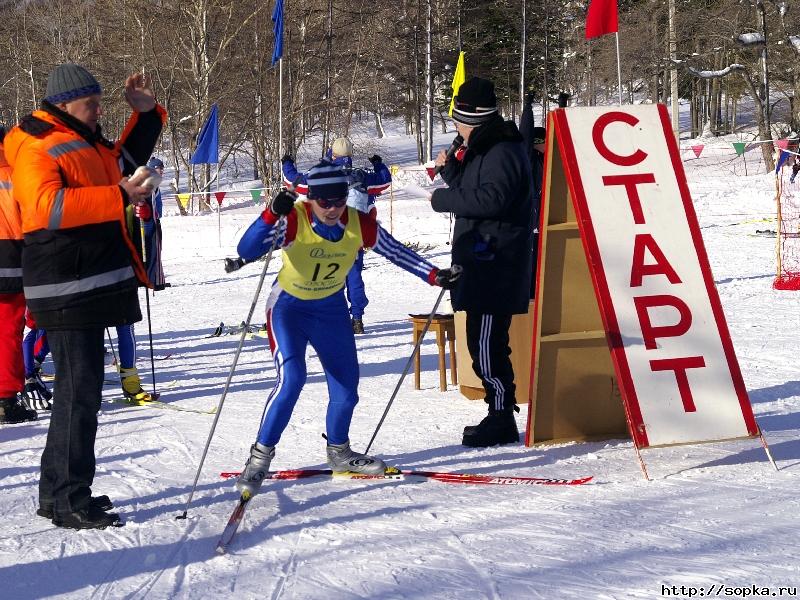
point(458, 78)
point(183, 199)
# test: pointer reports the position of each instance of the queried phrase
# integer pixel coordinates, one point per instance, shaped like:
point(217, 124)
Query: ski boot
point(132, 387)
point(12, 410)
point(498, 427)
point(255, 469)
point(342, 459)
point(35, 394)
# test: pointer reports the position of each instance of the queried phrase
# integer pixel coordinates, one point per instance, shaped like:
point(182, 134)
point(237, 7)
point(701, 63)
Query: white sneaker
point(341, 459)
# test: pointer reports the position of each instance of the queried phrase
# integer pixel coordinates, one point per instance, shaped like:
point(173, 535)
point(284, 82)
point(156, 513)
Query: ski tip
point(221, 549)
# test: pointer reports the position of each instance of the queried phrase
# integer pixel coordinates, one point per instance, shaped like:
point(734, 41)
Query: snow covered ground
point(714, 514)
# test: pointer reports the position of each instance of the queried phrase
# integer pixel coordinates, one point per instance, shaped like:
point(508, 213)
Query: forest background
point(350, 61)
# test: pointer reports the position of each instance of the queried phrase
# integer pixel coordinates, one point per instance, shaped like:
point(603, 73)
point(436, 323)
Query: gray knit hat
point(69, 82)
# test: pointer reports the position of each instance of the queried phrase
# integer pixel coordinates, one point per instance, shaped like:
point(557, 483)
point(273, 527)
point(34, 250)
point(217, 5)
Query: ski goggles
point(335, 203)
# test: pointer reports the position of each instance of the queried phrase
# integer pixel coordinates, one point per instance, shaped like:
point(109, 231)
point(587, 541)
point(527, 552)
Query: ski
point(233, 523)
point(162, 405)
point(253, 330)
point(466, 478)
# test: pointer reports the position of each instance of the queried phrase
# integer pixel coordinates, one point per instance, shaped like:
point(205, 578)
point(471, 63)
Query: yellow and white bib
point(314, 267)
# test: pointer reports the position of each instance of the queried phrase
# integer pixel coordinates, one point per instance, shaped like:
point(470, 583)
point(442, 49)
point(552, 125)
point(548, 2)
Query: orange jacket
point(79, 262)
point(10, 233)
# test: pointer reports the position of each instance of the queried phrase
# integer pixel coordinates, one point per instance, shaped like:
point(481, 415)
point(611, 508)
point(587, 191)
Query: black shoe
point(100, 503)
point(358, 325)
point(13, 411)
point(496, 428)
point(87, 518)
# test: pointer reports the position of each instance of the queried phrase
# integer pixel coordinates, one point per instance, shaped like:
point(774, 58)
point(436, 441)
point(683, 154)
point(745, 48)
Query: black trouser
point(487, 340)
point(68, 461)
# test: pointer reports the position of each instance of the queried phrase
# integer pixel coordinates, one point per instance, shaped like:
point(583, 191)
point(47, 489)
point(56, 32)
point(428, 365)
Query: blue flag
point(277, 18)
point(207, 150)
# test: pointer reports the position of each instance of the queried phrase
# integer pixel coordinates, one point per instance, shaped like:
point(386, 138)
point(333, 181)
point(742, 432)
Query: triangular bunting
point(782, 144)
point(698, 150)
point(219, 196)
point(256, 194)
point(739, 147)
point(184, 199)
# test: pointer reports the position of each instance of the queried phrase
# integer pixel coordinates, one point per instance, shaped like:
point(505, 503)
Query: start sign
point(672, 353)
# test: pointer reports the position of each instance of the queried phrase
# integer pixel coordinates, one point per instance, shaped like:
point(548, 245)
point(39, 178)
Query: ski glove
point(282, 203)
point(234, 264)
point(375, 159)
point(287, 158)
point(447, 278)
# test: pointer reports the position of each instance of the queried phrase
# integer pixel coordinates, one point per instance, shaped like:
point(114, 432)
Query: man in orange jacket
point(80, 269)
point(12, 302)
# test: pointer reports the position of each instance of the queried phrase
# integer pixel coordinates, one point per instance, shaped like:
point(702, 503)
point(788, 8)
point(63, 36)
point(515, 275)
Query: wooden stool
point(443, 325)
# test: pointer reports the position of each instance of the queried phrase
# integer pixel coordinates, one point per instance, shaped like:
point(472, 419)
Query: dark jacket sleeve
point(494, 195)
point(140, 140)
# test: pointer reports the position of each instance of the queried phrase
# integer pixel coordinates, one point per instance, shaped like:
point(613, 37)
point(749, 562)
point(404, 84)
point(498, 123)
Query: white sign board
point(672, 351)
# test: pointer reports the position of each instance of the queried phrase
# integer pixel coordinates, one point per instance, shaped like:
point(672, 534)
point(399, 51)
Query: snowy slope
point(714, 514)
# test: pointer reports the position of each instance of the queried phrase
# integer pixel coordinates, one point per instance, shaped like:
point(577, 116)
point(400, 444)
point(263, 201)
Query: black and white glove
point(447, 278)
point(234, 264)
point(287, 158)
point(283, 203)
point(35, 395)
point(375, 159)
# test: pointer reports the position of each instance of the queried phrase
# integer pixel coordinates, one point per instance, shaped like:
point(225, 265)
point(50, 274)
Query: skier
point(12, 302)
point(320, 239)
point(365, 186)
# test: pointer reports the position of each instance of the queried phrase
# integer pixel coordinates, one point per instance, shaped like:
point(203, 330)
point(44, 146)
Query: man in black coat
point(490, 192)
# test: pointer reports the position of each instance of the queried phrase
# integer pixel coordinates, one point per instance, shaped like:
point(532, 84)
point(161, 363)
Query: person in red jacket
point(12, 302)
point(80, 269)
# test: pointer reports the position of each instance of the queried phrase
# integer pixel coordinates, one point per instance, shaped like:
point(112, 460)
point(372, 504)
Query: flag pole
point(619, 68)
point(280, 108)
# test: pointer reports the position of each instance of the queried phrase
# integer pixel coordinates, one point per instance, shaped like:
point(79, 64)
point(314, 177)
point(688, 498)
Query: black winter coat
point(491, 195)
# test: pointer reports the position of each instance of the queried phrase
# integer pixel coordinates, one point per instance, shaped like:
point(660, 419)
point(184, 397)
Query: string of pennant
point(184, 197)
point(742, 147)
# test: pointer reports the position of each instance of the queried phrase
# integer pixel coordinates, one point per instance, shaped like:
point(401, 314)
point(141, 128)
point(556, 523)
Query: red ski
point(233, 523)
point(470, 478)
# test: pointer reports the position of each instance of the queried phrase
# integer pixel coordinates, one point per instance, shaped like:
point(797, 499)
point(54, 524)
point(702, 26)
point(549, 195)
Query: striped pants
point(487, 340)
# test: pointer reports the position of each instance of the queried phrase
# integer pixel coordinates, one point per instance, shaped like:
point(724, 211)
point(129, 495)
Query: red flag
point(601, 18)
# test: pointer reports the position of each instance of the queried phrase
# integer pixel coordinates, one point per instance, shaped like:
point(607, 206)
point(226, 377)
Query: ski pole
point(233, 368)
point(147, 301)
point(408, 365)
point(113, 352)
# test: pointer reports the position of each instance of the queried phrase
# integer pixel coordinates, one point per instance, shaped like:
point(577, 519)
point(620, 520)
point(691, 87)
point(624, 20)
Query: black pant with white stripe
point(487, 340)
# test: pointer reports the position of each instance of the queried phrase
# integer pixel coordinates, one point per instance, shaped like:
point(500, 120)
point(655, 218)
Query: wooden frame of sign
point(628, 325)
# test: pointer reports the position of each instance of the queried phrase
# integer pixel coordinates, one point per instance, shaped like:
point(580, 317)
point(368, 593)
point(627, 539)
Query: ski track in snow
point(713, 513)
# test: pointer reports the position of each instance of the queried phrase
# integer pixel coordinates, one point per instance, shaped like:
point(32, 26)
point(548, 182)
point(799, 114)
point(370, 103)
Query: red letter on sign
point(630, 182)
point(639, 269)
point(650, 332)
point(597, 137)
point(679, 365)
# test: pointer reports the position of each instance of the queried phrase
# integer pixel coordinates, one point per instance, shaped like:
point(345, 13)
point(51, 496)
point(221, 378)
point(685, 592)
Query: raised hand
point(138, 93)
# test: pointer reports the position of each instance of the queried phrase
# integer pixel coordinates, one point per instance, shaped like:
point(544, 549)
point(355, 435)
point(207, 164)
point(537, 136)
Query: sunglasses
point(337, 203)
